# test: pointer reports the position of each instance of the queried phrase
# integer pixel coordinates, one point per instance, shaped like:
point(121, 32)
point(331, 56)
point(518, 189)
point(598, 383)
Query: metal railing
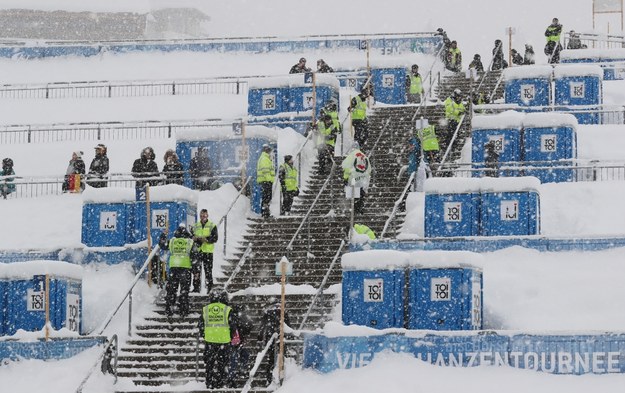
point(110, 350)
point(113, 89)
point(239, 265)
point(398, 202)
point(224, 218)
point(599, 114)
point(322, 285)
point(127, 295)
point(598, 41)
point(307, 215)
point(257, 362)
point(426, 96)
point(451, 142)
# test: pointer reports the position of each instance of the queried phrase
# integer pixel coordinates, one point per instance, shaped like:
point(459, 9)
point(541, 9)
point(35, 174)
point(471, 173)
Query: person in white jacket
point(356, 176)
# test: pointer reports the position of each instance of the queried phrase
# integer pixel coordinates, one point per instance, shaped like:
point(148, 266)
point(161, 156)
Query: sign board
point(498, 142)
point(140, 194)
point(373, 290)
point(440, 289)
point(269, 102)
point(453, 212)
point(528, 93)
point(108, 221)
point(307, 100)
point(288, 268)
point(72, 312)
point(548, 143)
point(476, 303)
point(388, 81)
point(509, 210)
point(237, 128)
point(36, 296)
point(308, 78)
point(577, 89)
point(160, 218)
point(363, 44)
point(607, 6)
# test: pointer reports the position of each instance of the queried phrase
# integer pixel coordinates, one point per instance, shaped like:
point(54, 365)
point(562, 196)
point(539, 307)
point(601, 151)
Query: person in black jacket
point(300, 67)
point(74, 176)
point(200, 169)
point(99, 167)
point(517, 59)
point(270, 324)
point(323, 67)
point(499, 63)
point(477, 63)
point(144, 167)
point(172, 169)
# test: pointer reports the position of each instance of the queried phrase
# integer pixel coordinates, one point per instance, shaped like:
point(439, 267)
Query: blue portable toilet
point(170, 206)
point(550, 140)
point(266, 100)
point(373, 288)
point(510, 206)
point(25, 302)
point(504, 130)
point(107, 216)
point(302, 98)
point(579, 85)
point(528, 85)
point(445, 290)
point(3, 298)
point(389, 85)
point(452, 207)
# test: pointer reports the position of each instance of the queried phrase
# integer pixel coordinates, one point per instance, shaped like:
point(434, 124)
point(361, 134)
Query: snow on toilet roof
point(173, 192)
point(528, 72)
point(600, 54)
point(509, 184)
point(568, 70)
point(293, 80)
point(398, 260)
point(504, 120)
point(549, 119)
point(108, 195)
point(451, 185)
point(26, 270)
point(225, 133)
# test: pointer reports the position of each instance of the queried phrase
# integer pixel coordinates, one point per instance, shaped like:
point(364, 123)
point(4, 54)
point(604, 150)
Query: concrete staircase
point(163, 355)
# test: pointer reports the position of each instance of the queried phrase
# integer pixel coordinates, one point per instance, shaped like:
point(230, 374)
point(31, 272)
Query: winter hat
point(78, 154)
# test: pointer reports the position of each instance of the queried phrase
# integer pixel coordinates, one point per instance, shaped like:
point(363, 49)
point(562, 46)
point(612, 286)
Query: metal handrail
point(224, 218)
point(301, 225)
point(451, 142)
point(397, 203)
point(239, 265)
point(128, 295)
point(113, 343)
point(384, 128)
point(259, 358)
point(492, 93)
point(323, 283)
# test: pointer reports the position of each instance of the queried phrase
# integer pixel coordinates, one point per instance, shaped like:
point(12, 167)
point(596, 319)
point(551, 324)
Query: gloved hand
point(283, 188)
point(345, 182)
point(162, 240)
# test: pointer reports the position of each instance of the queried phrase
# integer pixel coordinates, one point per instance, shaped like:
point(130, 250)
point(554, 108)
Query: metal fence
point(604, 114)
point(598, 41)
point(13, 134)
point(105, 89)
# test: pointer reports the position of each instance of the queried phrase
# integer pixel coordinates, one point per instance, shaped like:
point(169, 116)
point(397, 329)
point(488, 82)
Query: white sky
point(523, 289)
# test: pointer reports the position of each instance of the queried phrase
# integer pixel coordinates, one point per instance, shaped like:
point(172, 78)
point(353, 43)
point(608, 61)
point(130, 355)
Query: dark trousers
point(287, 201)
point(202, 260)
point(359, 203)
point(216, 359)
point(446, 138)
point(239, 364)
point(266, 373)
point(361, 132)
point(266, 195)
point(326, 152)
point(178, 277)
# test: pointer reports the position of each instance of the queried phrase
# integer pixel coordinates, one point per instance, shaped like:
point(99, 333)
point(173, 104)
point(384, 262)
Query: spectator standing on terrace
point(499, 63)
point(414, 85)
point(574, 41)
point(446, 44)
point(172, 169)
point(476, 63)
point(300, 67)
point(74, 176)
point(99, 167)
point(200, 169)
point(6, 178)
point(529, 55)
point(323, 67)
point(553, 46)
point(517, 59)
point(145, 167)
point(454, 58)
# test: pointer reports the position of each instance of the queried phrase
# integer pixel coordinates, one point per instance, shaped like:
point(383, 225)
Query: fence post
point(29, 134)
point(169, 130)
point(173, 88)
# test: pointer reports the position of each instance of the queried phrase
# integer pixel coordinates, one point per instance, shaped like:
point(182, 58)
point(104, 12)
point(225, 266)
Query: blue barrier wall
point(558, 354)
point(56, 348)
point(424, 43)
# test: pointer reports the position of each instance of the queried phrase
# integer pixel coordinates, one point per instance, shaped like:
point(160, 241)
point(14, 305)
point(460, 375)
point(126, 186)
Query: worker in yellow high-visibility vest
point(414, 86)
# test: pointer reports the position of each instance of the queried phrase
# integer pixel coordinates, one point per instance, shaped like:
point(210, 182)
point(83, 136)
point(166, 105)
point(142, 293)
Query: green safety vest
point(335, 118)
point(290, 177)
point(265, 171)
point(327, 133)
point(179, 252)
point(552, 34)
point(216, 327)
point(416, 86)
point(205, 231)
point(364, 230)
point(428, 138)
point(359, 112)
point(453, 111)
point(455, 55)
